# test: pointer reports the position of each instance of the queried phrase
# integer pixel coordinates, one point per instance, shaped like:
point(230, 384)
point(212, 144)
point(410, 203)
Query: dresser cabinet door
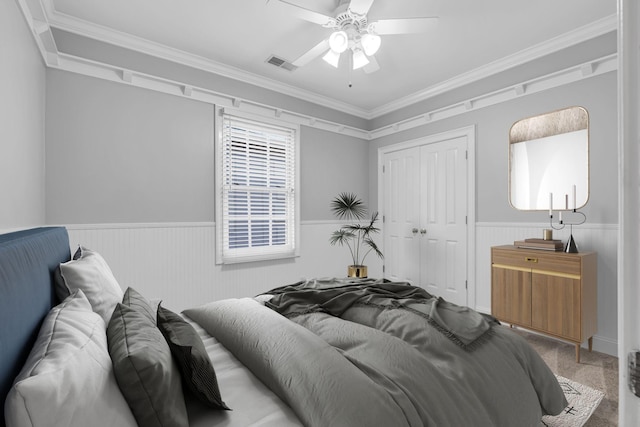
point(511, 295)
point(556, 305)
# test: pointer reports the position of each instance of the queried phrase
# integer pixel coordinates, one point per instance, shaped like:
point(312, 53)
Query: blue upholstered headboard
point(28, 259)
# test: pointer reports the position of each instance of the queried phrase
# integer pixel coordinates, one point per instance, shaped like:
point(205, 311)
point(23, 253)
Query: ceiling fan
point(353, 32)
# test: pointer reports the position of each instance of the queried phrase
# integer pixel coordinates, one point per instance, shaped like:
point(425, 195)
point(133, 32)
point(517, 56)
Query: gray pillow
point(192, 358)
point(144, 369)
point(138, 302)
point(89, 272)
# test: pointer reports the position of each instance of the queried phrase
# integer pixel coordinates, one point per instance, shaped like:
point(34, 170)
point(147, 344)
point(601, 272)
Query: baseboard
point(605, 345)
point(483, 309)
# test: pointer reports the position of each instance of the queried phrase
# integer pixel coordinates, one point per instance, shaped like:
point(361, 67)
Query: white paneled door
point(425, 217)
point(401, 215)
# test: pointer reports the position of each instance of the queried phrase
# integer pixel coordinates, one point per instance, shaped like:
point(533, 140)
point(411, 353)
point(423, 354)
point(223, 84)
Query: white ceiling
point(472, 39)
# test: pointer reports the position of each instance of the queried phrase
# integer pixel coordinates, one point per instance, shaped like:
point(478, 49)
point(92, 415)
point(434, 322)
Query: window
point(257, 207)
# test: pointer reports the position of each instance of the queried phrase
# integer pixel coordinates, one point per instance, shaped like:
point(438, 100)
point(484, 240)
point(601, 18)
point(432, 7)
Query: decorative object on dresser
point(554, 293)
point(542, 244)
point(357, 237)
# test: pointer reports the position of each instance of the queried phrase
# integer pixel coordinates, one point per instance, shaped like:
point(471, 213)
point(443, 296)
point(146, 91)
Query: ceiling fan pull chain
point(350, 69)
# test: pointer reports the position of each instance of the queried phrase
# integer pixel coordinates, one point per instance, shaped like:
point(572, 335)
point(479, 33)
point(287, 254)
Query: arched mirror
point(549, 161)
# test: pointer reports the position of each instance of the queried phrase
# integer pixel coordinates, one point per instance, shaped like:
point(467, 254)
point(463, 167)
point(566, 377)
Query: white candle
point(574, 196)
point(566, 201)
point(560, 218)
point(550, 204)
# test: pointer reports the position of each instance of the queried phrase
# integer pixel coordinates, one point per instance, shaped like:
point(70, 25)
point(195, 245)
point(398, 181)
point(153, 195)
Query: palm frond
point(348, 206)
point(373, 247)
point(341, 237)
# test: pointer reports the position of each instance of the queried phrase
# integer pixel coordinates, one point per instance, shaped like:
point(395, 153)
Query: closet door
point(425, 208)
point(401, 215)
point(443, 219)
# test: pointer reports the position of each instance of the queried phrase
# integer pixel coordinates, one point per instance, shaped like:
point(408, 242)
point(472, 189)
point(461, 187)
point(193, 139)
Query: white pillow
point(89, 272)
point(68, 378)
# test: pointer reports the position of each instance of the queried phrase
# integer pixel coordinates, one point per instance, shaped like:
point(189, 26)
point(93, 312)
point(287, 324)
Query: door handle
point(423, 231)
point(414, 230)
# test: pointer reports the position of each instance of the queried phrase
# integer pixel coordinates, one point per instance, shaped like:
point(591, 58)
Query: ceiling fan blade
point(309, 15)
point(360, 7)
point(372, 66)
point(403, 25)
point(312, 53)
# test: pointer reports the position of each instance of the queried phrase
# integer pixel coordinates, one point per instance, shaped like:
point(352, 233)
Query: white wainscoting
point(601, 238)
point(176, 262)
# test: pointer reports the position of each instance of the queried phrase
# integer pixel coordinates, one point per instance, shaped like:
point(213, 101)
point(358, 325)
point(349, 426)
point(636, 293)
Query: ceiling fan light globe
point(339, 41)
point(359, 59)
point(370, 43)
point(332, 58)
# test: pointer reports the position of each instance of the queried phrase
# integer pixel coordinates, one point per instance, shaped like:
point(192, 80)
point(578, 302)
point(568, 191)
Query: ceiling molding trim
point(41, 32)
point(560, 78)
point(115, 74)
point(587, 32)
point(35, 17)
point(127, 41)
point(83, 28)
point(103, 71)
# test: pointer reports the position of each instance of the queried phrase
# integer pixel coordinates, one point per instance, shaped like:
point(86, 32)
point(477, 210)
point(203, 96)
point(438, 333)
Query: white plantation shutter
point(257, 190)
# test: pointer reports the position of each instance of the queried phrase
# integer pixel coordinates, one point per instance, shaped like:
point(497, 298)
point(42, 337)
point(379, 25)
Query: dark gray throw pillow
point(138, 302)
point(192, 358)
point(144, 369)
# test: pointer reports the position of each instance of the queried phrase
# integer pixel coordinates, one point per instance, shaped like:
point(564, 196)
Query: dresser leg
point(590, 343)
point(577, 353)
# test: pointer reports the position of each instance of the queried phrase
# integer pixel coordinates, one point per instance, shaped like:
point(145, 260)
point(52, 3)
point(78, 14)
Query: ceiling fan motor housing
point(354, 25)
point(347, 19)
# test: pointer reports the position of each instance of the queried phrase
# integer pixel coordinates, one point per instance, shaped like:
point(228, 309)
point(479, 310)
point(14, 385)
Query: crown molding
point(36, 19)
point(566, 40)
point(83, 28)
point(112, 73)
point(42, 34)
point(100, 70)
point(127, 41)
point(569, 75)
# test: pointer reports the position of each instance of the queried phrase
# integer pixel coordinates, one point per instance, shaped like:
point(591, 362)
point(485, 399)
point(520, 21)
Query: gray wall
point(124, 154)
point(331, 164)
point(21, 123)
point(121, 154)
point(596, 94)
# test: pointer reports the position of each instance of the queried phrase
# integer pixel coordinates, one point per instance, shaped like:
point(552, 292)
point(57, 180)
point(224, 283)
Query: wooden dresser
point(554, 293)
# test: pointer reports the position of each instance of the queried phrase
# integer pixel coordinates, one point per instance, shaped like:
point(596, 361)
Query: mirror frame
point(549, 124)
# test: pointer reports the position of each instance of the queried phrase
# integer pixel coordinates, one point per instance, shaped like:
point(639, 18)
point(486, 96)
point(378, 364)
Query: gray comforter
point(391, 355)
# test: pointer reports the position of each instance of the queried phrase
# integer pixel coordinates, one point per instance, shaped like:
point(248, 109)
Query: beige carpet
point(595, 370)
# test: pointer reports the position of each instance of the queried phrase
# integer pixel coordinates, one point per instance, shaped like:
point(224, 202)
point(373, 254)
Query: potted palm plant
point(357, 237)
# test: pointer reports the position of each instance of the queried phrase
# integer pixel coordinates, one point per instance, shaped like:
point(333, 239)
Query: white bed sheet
point(252, 403)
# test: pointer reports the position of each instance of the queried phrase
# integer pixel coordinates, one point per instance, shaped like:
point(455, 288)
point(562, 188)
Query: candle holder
point(571, 246)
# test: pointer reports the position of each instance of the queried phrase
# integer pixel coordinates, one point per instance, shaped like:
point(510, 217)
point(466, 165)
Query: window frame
point(262, 253)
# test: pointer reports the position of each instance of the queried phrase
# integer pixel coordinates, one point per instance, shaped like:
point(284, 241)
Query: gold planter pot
point(358, 271)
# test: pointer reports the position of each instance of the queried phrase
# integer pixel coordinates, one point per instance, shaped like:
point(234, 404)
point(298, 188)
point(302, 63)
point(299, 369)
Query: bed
point(76, 349)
